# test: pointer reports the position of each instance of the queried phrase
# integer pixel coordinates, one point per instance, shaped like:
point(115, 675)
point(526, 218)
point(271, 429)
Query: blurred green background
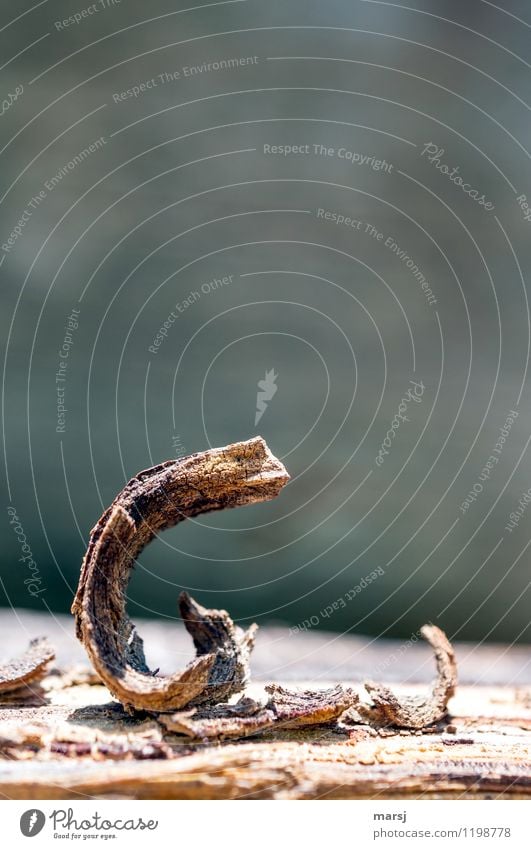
point(227, 132)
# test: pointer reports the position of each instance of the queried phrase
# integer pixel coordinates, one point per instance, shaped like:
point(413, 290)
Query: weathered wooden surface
point(70, 740)
point(152, 501)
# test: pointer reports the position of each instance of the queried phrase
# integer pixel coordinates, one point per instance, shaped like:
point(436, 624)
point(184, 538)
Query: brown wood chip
point(285, 709)
point(29, 668)
point(156, 499)
point(417, 711)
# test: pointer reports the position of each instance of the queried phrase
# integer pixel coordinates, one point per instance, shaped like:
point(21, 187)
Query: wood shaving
point(416, 711)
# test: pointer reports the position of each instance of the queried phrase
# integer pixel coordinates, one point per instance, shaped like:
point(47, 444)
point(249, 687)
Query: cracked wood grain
point(417, 711)
point(156, 499)
point(285, 709)
point(27, 669)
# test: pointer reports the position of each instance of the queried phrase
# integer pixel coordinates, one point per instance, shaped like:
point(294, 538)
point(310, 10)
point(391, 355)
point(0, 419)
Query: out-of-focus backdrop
point(301, 219)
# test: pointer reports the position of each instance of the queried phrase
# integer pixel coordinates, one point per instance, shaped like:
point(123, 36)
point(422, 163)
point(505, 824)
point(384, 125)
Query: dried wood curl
point(28, 668)
point(156, 499)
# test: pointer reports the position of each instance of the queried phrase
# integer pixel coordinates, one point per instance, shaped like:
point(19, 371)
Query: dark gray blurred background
point(180, 192)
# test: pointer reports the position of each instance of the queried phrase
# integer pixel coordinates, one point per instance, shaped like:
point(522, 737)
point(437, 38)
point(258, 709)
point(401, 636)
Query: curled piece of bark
point(156, 499)
point(113, 751)
point(29, 668)
point(285, 709)
point(417, 711)
point(215, 634)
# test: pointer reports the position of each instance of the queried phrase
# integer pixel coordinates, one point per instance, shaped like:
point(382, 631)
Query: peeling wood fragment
point(416, 711)
point(215, 634)
point(27, 669)
point(114, 750)
point(285, 709)
point(156, 499)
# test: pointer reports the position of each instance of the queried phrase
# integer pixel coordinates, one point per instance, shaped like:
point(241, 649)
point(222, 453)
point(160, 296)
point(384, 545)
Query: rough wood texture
point(69, 740)
point(156, 499)
point(284, 709)
point(73, 749)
